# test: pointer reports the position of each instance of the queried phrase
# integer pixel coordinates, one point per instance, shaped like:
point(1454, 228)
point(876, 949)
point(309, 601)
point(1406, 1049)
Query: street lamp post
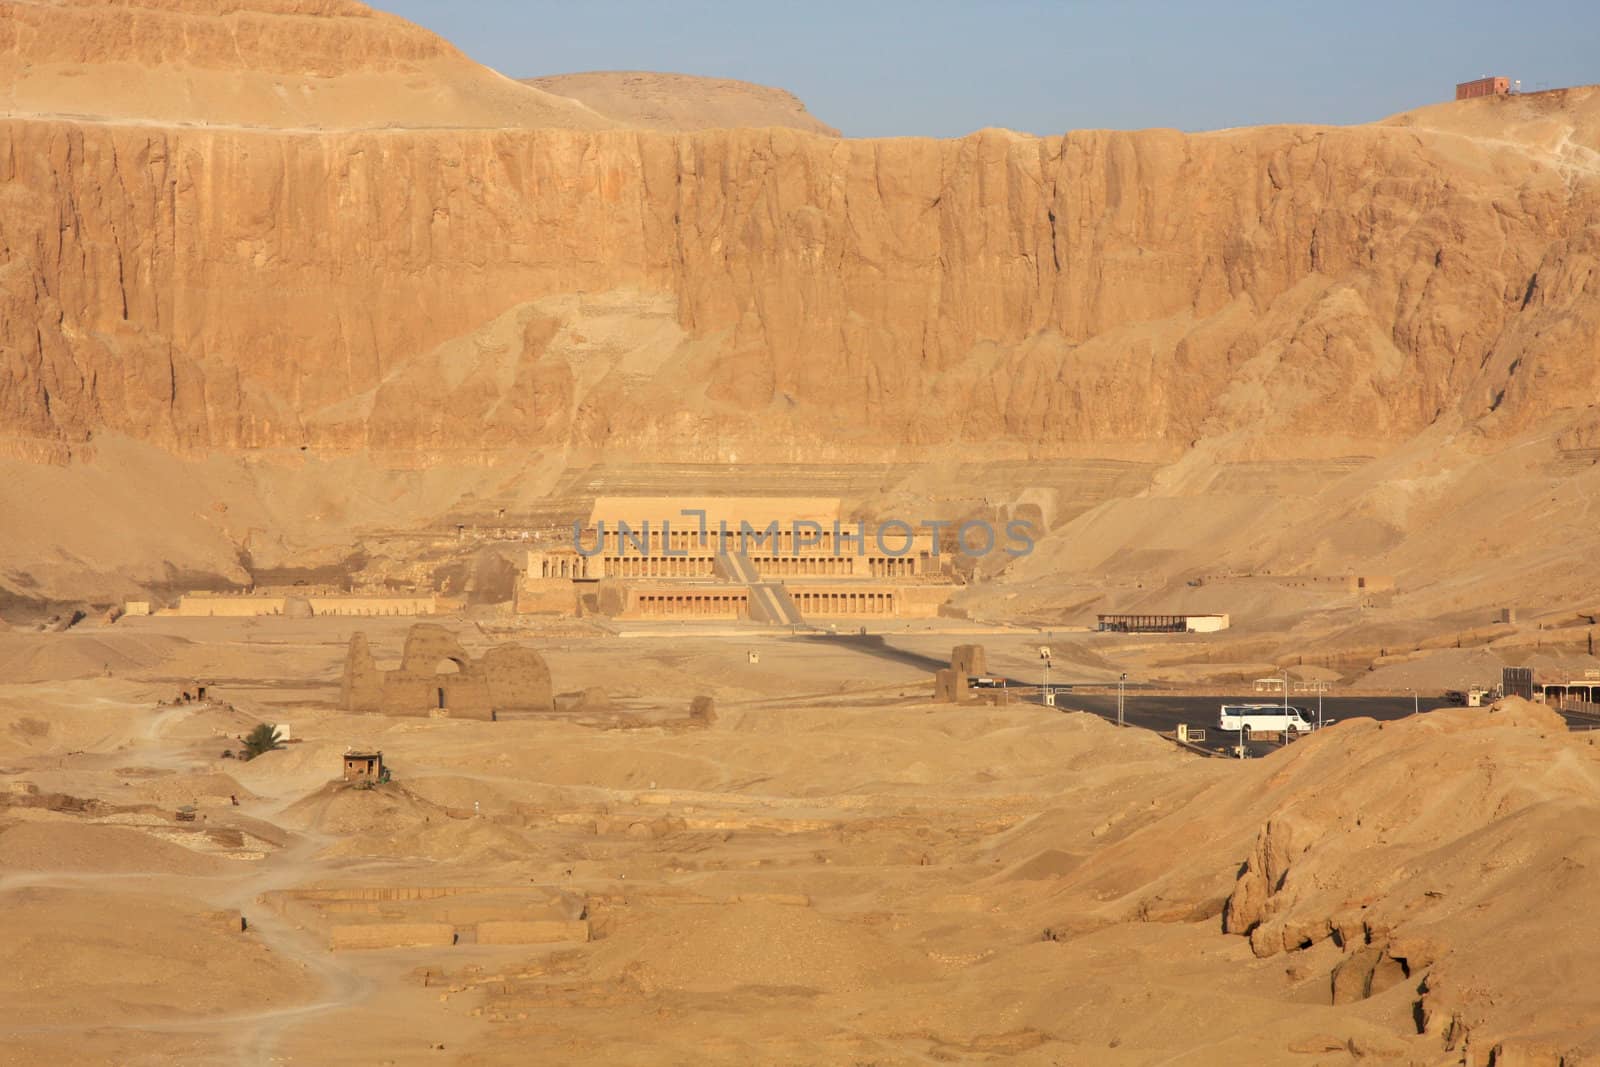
point(1120, 682)
point(1243, 752)
point(1044, 654)
point(1283, 738)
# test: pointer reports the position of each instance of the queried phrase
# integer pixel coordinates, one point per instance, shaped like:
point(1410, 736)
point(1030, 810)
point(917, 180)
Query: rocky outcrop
point(1251, 903)
point(1440, 863)
point(1426, 873)
point(1364, 973)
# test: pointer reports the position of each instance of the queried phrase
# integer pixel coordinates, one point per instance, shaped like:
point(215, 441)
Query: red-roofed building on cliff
point(1483, 87)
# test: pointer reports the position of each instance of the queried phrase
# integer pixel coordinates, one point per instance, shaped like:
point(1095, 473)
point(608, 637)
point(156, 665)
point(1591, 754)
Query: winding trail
point(250, 1037)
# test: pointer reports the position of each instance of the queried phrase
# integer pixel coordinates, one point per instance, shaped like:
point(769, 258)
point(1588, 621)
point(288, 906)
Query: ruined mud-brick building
point(436, 675)
point(363, 766)
point(951, 685)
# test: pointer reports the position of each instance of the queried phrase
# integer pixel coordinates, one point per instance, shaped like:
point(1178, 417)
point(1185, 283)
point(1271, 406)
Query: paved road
point(1163, 712)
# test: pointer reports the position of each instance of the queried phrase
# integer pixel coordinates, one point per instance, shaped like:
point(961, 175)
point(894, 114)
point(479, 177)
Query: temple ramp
point(737, 567)
point(771, 603)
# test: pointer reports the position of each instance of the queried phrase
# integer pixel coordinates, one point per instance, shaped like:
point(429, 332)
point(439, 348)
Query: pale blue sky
point(942, 68)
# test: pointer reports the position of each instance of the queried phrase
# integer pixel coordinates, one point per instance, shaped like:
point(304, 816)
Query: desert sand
point(834, 869)
point(295, 294)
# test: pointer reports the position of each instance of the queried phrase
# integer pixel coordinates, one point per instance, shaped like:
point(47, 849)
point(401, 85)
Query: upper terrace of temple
point(768, 527)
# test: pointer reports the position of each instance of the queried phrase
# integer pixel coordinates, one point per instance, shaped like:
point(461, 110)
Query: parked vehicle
point(1263, 719)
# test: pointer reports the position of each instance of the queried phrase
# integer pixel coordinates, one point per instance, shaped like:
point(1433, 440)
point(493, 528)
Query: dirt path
point(256, 1036)
point(251, 1037)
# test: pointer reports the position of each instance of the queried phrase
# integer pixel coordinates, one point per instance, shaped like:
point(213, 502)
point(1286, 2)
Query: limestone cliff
point(410, 290)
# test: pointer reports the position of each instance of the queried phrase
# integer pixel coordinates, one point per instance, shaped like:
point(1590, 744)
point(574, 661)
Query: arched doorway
point(445, 671)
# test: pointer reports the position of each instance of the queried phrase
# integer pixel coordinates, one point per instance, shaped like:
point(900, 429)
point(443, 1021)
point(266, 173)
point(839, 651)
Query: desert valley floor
point(827, 868)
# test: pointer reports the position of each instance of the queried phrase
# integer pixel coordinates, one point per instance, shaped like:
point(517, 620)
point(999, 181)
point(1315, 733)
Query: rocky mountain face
point(316, 38)
point(233, 289)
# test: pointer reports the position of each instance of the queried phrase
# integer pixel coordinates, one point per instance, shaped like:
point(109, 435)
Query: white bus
point(1263, 719)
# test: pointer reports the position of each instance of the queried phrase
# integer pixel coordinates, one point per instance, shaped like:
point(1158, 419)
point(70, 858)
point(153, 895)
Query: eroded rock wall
point(234, 289)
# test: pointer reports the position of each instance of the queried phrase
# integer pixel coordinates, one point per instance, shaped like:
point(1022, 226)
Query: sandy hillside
point(273, 64)
point(169, 961)
point(47, 846)
point(682, 102)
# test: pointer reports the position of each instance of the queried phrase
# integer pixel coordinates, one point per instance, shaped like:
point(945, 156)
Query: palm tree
point(264, 738)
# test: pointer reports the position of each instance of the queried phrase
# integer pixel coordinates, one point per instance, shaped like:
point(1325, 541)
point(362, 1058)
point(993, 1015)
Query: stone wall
point(923, 601)
point(390, 935)
point(385, 605)
point(203, 605)
point(546, 596)
point(242, 605)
